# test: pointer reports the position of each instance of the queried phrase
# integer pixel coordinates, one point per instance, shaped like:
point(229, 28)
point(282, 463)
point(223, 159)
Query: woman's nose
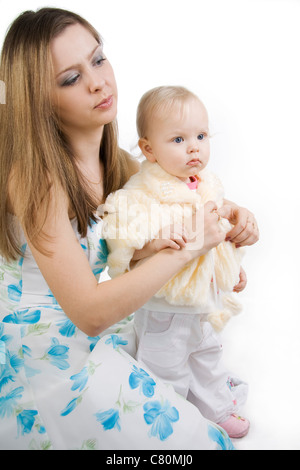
point(96, 81)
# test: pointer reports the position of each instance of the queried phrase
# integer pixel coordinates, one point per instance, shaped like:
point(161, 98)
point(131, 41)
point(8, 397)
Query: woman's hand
point(204, 231)
point(245, 230)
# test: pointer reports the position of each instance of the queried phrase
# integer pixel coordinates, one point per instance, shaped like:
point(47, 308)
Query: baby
point(176, 328)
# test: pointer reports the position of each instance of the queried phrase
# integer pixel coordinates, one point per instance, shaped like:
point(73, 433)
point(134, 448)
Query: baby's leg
point(212, 389)
point(163, 346)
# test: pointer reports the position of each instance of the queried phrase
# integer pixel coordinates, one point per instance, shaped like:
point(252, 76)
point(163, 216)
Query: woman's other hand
point(245, 231)
point(203, 230)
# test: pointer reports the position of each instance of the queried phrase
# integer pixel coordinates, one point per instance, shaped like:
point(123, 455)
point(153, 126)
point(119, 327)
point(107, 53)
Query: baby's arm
point(169, 237)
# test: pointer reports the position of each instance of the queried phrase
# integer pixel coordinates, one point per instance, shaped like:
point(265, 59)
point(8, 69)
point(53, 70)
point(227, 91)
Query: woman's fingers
point(245, 232)
point(205, 233)
point(245, 229)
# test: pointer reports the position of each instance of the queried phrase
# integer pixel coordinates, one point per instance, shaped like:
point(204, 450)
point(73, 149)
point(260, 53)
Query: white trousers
point(184, 350)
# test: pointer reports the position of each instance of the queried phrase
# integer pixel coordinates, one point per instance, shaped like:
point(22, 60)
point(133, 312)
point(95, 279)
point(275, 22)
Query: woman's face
point(85, 96)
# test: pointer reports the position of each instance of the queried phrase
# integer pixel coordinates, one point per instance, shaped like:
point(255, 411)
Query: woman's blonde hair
point(34, 153)
point(156, 100)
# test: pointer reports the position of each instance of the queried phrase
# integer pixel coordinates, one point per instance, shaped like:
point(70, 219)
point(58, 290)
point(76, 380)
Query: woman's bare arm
point(94, 307)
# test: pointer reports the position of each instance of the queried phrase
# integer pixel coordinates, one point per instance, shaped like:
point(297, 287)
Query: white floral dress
point(60, 389)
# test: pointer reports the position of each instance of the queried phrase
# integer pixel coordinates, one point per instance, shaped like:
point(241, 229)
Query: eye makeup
point(71, 75)
point(69, 81)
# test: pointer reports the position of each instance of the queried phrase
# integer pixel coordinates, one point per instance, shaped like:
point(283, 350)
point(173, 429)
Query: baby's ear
point(146, 149)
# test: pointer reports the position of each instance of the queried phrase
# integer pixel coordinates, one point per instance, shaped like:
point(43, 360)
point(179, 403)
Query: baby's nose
point(193, 147)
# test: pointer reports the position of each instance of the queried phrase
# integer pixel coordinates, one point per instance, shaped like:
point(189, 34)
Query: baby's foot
point(235, 426)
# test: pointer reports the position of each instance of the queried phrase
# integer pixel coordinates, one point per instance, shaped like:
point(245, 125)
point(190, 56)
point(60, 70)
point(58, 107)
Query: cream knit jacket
point(153, 198)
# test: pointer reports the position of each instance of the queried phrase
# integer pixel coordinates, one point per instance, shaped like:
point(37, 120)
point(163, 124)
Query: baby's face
point(179, 140)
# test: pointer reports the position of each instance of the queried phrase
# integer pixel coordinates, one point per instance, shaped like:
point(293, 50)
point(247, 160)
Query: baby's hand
point(243, 281)
point(171, 236)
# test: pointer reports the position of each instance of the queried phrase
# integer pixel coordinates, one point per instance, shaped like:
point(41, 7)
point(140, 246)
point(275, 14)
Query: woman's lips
point(105, 104)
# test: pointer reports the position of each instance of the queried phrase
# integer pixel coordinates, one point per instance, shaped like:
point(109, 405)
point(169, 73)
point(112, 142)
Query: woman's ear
point(146, 149)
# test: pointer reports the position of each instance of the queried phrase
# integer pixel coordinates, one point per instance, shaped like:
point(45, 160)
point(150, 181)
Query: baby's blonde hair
point(156, 100)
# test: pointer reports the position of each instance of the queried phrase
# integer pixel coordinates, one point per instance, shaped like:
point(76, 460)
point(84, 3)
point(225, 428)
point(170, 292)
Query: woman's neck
point(86, 148)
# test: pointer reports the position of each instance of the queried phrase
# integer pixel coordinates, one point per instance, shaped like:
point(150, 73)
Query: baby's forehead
point(178, 113)
point(178, 108)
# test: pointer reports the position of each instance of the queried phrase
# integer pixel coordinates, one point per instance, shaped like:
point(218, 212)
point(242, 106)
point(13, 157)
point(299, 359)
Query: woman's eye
point(99, 60)
point(177, 140)
point(71, 80)
point(200, 137)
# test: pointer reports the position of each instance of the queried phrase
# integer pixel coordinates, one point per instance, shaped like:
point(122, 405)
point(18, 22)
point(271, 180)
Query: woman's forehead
point(72, 46)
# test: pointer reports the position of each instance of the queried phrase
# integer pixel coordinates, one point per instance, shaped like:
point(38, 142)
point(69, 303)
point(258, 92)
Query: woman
point(66, 381)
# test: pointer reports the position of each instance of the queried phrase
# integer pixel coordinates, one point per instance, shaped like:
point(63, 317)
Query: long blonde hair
point(32, 145)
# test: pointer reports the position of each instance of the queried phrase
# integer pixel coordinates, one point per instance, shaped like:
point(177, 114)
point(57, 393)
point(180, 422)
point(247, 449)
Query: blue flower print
point(29, 371)
point(15, 362)
point(14, 291)
point(102, 254)
point(94, 340)
point(140, 378)
point(57, 354)
point(70, 406)
point(41, 429)
point(93, 224)
point(2, 352)
point(9, 402)
point(67, 328)
point(26, 351)
point(109, 419)
point(9, 371)
point(25, 421)
point(23, 317)
point(161, 417)
point(116, 341)
point(5, 338)
point(7, 375)
point(220, 436)
point(80, 379)
point(23, 250)
point(4, 341)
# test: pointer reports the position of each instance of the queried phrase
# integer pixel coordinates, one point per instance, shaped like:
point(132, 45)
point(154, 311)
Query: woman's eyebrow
point(74, 66)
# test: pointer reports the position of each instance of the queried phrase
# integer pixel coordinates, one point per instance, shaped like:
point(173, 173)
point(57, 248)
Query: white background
point(242, 58)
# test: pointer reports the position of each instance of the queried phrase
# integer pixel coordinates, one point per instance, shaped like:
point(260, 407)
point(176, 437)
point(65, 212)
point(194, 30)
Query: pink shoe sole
point(235, 426)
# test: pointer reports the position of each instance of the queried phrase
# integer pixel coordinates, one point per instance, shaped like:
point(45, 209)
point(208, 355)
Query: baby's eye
point(200, 137)
point(177, 140)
